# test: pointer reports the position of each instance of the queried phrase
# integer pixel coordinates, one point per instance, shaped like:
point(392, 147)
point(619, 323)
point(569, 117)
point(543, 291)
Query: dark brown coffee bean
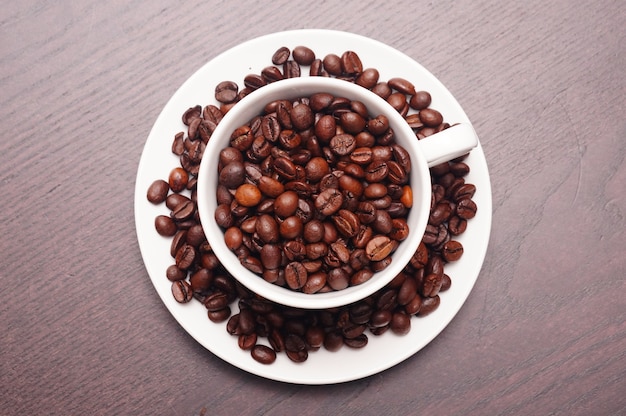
point(429, 304)
point(174, 273)
point(281, 55)
point(247, 342)
point(457, 225)
point(181, 290)
point(285, 168)
point(376, 171)
point(291, 69)
point(420, 100)
point(325, 128)
point(361, 276)
point(351, 63)
point(338, 279)
point(400, 323)
point(382, 89)
point(402, 85)
point(332, 64)
point(286, 204)
point(380, 318)
point(303, 55)
point(378, 248)
point(466, 209)
point(452, 251)
point(347, 223)
point(368, 78)
point(271, 74)
point(226, 91)
point(185, 256)
point(157, 191)
point(216, 301)
point(315, 282)
point(254, 81)
point(430, 117)
point(342, 144)
point(291, 227)
point(165, 226)
point(267, 228)
point(263, 354)
point(295, 275)
point(329, 201)
point(184, 211)
point(177, 180)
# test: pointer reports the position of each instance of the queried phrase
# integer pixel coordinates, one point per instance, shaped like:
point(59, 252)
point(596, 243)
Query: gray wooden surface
point(83, 330)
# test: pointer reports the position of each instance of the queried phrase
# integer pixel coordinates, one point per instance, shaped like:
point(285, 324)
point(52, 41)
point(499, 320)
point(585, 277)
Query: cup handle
point(448, 144)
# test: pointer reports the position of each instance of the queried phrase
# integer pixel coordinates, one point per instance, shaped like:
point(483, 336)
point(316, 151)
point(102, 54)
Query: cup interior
point(251, 106)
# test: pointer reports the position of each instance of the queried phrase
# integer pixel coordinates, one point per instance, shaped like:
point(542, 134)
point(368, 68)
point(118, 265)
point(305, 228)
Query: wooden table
point(84, 332)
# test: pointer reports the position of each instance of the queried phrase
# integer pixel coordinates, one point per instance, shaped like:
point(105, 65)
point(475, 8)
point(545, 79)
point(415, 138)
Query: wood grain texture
point(84, 332)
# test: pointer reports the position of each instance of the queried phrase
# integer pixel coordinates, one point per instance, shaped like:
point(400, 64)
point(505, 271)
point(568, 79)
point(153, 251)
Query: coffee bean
point(165, 226)
point(452, 250)
point(303, 55)
point(157, 192)
point(420, 100)
point(378, 248)
point(295, 275)
point(263, 354)
point(466, 209)
point(181, 290)
point(281, 55)
point(351, 63)
point(226, 91)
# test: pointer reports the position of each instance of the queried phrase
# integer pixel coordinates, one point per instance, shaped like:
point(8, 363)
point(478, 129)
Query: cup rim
point(251, 106)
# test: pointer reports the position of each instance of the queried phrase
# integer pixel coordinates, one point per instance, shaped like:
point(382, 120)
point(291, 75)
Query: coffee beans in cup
point(306, 185)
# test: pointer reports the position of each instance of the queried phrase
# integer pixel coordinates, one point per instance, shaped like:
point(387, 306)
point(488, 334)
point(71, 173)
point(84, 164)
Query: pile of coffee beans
point(196, 272)
point(313, 193)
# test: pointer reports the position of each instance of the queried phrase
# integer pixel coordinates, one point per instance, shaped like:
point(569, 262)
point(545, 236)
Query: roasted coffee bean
point(329, 201)
point(295, 275)
point(157, 192)
point(303, 55)
point(430, 117)
point(457, 225)
point(267, 228)
point(226, 91)
point(452, 251)
point(400, 323)
point(254, 81)
point(351, 63)
point(347, 223)
point(263, 354)
point(291, 69)
point(286, 204)
point(177, 179)
point(466, 209)
point(338, 279)
point(174, 273)
point(376, 171)
point(420, 100)
point(291, 227)
point(182, 292)
point(332, 64)
point(165, 226)
point(248, 195)
point(378, 248)
point(281, 55)
point(315, 282)
point(429, 304)
point(368, 78)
